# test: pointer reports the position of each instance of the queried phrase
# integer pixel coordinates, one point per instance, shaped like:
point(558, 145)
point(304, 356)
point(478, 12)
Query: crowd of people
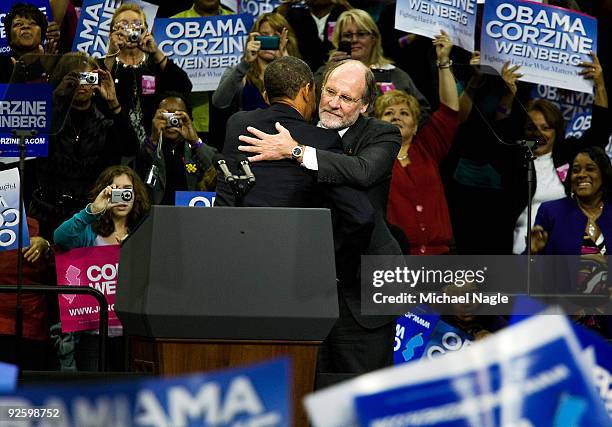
point(393, 132)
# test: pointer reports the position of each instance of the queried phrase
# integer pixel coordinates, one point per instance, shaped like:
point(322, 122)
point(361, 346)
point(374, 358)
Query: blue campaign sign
point(8, 377)
point(25, 107)
point(5, 7)
point(576, 107)
point(204, 47)
point(543, 386)
point(9, 211)
point(205, 199)
point(256, 395)
point(93, 28)
point(427, 18)
point(547, 41)
point(257, 7)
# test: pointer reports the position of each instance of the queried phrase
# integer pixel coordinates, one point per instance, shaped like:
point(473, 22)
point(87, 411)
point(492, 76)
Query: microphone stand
point(22, 135)
point(240, 184)
point(528, 146)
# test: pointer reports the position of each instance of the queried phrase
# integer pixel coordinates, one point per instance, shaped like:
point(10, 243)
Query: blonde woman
point(357, 28)
point(241, 87)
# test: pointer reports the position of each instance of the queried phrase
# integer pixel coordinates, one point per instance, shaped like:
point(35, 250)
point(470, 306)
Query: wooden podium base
point(179, 356)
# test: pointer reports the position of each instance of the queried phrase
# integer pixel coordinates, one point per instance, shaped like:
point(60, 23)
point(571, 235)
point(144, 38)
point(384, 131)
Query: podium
point(210, 288)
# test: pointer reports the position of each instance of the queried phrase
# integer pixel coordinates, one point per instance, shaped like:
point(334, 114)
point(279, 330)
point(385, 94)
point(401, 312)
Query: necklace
point(591, 228)
point(120, 238)
point(137, 65)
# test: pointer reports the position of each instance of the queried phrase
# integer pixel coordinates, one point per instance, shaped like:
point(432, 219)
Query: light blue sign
point(204, 199)
point(204, 47)
point(5, 7)
point(9, 211)
point(257, 7)
point(8, 377)
point(548, 42)
point(25, 107)
point(427, 18)
point(256, 395)
point(93, 29)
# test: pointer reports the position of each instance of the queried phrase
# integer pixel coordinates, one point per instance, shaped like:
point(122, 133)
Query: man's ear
point(364, 108)
point(265, 97)
point(306, 91)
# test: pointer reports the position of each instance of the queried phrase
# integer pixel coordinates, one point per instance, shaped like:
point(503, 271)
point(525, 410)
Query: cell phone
point(268, 42)
point(345, 46)
point(122, 195)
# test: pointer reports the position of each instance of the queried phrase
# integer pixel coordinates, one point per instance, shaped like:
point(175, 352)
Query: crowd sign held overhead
point(204, 47)
point(548, 42)
point(256, 395)
point(93, 29)
point(9, 211)
point(428, 17)
point(576, 107)
point(5, 7)
point(25, 107)
point(257, 7)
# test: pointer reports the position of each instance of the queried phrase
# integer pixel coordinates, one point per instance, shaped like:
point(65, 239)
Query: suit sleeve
point(371, 165)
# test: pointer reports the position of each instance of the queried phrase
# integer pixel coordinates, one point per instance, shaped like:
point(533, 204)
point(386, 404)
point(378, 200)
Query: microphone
point(246, 168)
point(222, 165)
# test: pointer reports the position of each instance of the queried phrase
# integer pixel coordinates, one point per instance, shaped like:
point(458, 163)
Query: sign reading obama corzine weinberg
point(204, 47)
point(25, 107)
point(547, 41)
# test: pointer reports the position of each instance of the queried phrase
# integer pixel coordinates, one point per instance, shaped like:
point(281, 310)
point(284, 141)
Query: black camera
point(122, 195)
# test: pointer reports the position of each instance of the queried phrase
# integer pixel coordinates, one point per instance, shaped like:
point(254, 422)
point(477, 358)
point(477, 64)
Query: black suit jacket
point(370, 147)
point(286, 183)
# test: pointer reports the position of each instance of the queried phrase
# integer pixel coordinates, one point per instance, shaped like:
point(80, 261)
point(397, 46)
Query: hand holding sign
point(443, 46)
point(592, 70)
point(510, 76)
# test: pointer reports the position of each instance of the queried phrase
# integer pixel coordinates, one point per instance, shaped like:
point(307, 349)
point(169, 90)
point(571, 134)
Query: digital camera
point(88, 78)
point(173, 120)
point(268, 42)
point(133, 35)
point(122, 195)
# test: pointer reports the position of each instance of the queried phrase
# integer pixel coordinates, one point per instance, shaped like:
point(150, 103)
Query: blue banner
point(25, 107)
point(93, 28)
point(542, 387)
point(547, 41)
point(204, 199)
point(9, 211)
point(257, 7)
point(204, 47)
point(8, 377)
point(427, 18)
point(257, 395)
point(576, 107)
point(5, 7)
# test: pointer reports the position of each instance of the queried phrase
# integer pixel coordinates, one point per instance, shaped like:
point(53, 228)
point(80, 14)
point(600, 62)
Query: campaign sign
point(93, 28)
point(204, 47)
point(428, 17)
point(9, 211)
point(257, 7)
point(5, 7)
point(25, 107)
point(96, 267)
point(255, 395)
point(576, 107)
point(547, 41)
point(542, 387)
point(8, 377)
point(204, 199)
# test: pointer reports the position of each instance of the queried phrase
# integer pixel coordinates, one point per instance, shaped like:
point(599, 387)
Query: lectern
point(210, 288)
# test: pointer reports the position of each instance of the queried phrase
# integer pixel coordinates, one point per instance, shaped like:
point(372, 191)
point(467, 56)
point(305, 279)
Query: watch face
point(297, 151)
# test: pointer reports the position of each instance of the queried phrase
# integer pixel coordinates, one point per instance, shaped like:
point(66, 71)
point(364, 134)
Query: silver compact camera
point(122, 195)
point(133, 35)
point(173, 120)
point(88, 78)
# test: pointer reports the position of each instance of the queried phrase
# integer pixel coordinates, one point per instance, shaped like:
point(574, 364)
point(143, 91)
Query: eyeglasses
point(343, 98)
point(127, 24)
point(358, 35)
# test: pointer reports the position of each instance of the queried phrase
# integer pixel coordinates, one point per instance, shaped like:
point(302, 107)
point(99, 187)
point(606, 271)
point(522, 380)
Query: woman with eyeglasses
point(356, 36)
point(417, 204)
point(140, 69)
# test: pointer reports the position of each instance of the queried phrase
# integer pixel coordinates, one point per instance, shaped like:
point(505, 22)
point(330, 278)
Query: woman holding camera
point(140, 69)
point(241, 87)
